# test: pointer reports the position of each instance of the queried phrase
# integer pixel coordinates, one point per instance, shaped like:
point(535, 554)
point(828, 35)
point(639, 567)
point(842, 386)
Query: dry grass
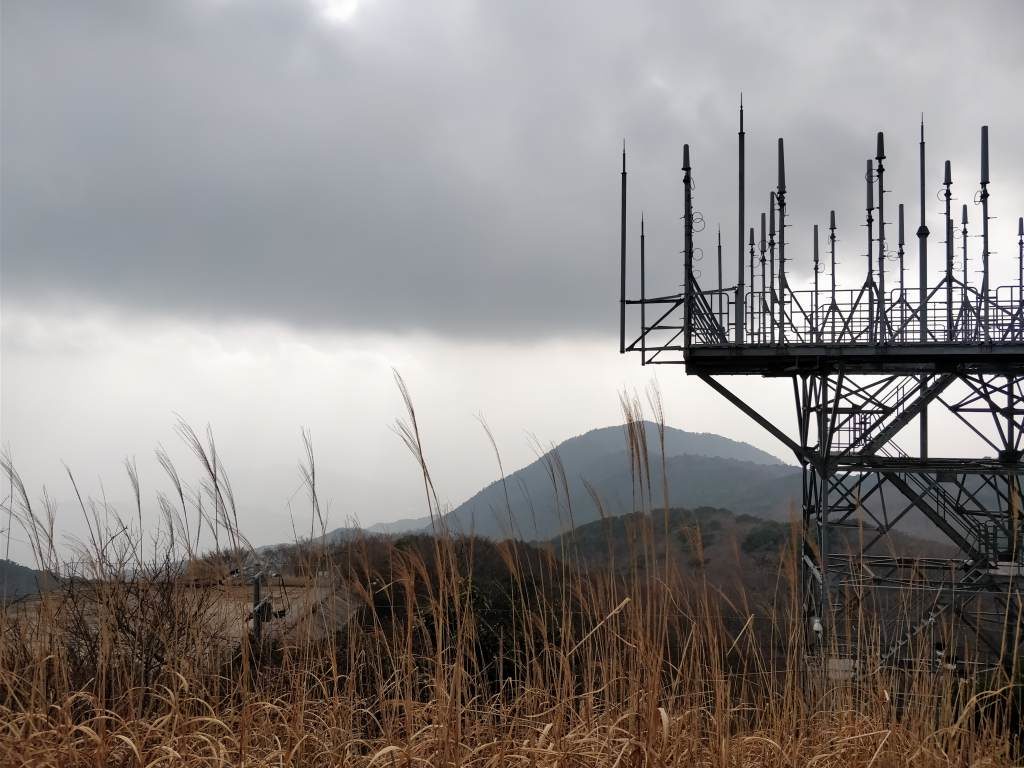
point(449, 652)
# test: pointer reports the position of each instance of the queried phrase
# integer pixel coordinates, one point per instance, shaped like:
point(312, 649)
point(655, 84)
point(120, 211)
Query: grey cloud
point(450, 167)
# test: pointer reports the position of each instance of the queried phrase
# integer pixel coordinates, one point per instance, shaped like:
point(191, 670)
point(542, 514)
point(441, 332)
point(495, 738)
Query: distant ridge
point(704, 469)
point(17, 580)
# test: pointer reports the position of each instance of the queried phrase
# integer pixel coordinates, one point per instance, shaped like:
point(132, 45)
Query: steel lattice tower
point(867, 364)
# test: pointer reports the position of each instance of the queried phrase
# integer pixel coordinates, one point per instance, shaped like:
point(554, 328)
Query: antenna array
point(866, 362)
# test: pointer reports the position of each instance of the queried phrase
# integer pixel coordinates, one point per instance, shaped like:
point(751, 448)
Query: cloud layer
point(451, 167)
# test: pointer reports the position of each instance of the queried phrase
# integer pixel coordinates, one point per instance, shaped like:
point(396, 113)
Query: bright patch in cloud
point(338, 11)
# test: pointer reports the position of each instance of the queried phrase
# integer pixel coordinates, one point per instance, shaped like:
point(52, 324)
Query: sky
point(248, 215)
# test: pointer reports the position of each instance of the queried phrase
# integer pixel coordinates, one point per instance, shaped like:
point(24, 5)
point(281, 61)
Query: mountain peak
point(678, 442)
point(702, 468)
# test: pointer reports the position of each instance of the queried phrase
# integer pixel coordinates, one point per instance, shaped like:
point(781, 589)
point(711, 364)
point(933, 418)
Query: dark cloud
point(452, 166)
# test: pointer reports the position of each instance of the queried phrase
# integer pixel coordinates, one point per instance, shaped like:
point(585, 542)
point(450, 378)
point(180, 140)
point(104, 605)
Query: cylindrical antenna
point(687, 248)
point(869, 176)
point(984, 154)
point(922, 265)
point(832, 307)
point(901, 242)
point(771, 264)
point(922, 268)
point(720, 318)
point(740, 314)
point(814, 312)
point(869, 283)
point(622, 260)
point(719, 258)
point(903, 290)
point(782, 169)
point(781, 201)
point(950, 326)
point(947, 182)
point(832, 245)
point(760, 308)
point(984, 228)
point(751, 311)
point(643, 296)
point(1020, 260)
point(880, 170)
point(963, 234)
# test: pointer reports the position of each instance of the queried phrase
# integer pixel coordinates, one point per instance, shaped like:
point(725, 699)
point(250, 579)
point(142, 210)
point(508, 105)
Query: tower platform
point(867, 364)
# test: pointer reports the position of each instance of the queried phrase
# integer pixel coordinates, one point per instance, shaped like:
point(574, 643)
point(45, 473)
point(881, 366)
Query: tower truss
point(869, 365)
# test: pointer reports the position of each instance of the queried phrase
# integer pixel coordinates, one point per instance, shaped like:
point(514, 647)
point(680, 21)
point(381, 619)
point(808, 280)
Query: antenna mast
point(1020, 260)
point(903, 290)
point(643, 296)
point(833, 308)
point(739, 232)
point(869, 176)
point(622, 259)
point(687, 248)
point(922, 259)
point(882, 321)
point(984, 228)
point(947, 182)
point(721, 319)
point(771, 265)
point(751, 317)
point(814, 307)
point(781, 198)
point(963, 234)
point(760, 308)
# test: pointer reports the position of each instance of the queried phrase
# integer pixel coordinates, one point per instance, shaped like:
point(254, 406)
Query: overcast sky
point(248, 213)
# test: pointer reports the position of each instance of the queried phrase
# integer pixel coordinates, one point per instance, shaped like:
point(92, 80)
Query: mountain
point(703, 470)
point(17, 580)
point(598, 481)
point(739, 554)
point(404, 525)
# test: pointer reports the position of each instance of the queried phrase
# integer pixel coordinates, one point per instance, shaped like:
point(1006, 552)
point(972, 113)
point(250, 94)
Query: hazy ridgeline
point(444, 650)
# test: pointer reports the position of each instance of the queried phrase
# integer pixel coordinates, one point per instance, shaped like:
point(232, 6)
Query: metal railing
point(962, 315)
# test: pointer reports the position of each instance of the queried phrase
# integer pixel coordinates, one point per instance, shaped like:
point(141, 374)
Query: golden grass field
point(446, 651)
point(650, 677)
